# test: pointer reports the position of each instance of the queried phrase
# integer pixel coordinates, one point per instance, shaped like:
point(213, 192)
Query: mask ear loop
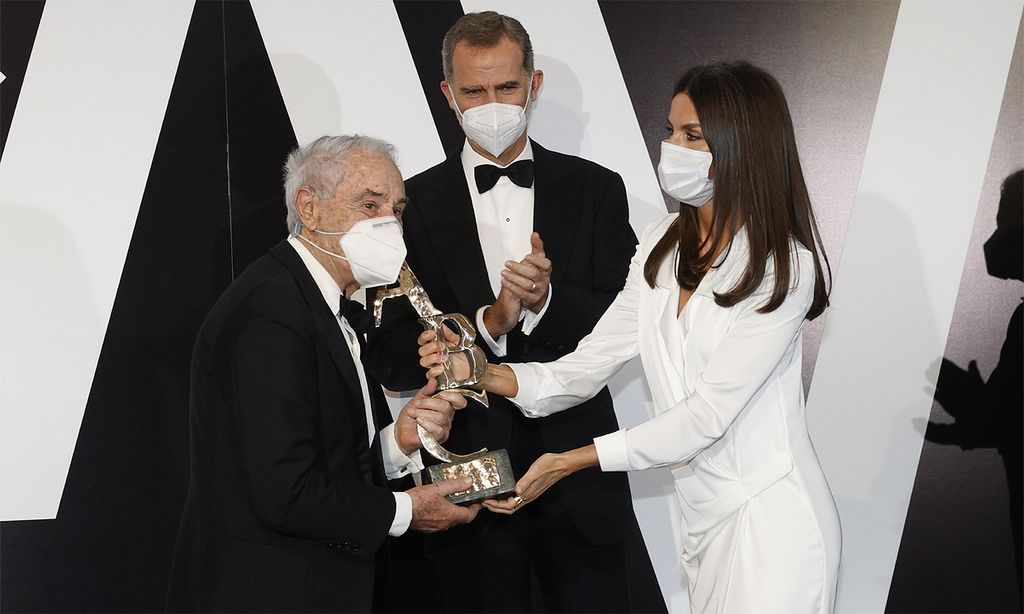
point(317, 247)
point(298, 223)
point(455, 102)
point(529, 96)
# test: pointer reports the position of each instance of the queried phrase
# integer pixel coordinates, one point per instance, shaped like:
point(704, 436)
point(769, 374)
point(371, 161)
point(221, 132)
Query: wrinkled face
point(372, 187)
point(481, 75)
point(684, 124)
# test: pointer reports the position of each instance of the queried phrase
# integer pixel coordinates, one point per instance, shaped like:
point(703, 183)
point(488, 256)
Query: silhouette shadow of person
point(988, 414)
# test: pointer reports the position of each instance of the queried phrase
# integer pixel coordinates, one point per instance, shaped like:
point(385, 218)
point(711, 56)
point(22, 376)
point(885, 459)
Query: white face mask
point(495, 126)
point(373, 248)
point(683, 174)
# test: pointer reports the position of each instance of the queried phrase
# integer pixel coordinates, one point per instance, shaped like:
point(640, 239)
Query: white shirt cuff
point(403, 514)
point(397, 464)
point(530, 319)
point(499, 347)
point(613, 451)
point(526, 398)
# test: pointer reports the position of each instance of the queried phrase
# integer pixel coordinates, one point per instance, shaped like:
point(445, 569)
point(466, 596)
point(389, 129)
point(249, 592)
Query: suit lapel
point(337, 347)
point(447, 212)
point(331, 333)
point(556, 208)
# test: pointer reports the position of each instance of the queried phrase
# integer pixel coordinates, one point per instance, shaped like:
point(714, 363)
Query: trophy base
point(491, 473)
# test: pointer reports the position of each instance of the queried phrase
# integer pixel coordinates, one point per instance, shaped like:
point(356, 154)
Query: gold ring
point(534, 288)
point(519, 500)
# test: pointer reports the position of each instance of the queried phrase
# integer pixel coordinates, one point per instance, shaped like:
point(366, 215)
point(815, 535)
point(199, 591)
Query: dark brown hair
point(485, 30)
point(758, 185)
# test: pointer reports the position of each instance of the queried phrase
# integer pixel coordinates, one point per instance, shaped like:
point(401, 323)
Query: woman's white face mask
point(373, 248)
point(684, 174)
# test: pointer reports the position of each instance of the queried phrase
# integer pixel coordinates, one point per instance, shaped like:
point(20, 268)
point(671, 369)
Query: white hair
point(321, 166)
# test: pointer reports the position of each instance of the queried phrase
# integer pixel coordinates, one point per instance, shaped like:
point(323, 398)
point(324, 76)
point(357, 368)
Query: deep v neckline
point(719, 259)
point(680, 310)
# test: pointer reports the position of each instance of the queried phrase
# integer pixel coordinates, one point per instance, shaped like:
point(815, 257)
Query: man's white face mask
point(495, 126)
point(374, 249)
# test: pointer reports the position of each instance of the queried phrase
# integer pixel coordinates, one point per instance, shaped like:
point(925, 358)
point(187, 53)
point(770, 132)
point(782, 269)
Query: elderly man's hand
point(433, 413)
point(530, 278)
point(431, 512)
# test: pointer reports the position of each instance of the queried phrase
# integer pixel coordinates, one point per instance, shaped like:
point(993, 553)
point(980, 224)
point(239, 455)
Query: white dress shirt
point(396, 464)
point(504, 223)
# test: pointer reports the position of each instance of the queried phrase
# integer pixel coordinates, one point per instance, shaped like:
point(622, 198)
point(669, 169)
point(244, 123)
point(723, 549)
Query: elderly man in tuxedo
point(292, 443)
point(533, 245)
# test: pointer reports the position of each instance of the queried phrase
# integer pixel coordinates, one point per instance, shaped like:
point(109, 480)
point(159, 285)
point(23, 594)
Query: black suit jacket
point(581, 213)
point(287, 504)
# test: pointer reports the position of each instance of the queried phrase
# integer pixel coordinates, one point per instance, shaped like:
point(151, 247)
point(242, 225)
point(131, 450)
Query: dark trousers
point(572, 575)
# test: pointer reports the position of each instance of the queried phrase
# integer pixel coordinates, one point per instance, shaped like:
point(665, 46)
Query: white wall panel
point(344, 67)
point(71, 180)
point(900, 272)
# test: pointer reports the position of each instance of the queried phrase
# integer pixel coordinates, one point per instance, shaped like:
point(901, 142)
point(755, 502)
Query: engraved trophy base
point(491, 473)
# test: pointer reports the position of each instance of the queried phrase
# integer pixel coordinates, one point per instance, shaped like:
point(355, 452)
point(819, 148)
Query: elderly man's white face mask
point(373, 248)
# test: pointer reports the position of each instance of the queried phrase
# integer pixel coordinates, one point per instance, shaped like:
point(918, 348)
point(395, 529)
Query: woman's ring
point(519, 500)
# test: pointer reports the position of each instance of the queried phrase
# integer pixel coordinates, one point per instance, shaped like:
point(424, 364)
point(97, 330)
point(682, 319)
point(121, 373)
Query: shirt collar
point(329, 288)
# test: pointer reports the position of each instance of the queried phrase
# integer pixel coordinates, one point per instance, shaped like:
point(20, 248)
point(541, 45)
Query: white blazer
point(761, 528)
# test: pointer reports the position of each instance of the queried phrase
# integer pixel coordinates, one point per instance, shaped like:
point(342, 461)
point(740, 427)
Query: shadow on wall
point(988, 414)
point(320, 99)
point(45, 366)
point(558, 117)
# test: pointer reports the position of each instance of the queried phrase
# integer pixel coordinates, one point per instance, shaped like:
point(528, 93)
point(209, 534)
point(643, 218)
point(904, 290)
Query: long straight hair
point(758, 185)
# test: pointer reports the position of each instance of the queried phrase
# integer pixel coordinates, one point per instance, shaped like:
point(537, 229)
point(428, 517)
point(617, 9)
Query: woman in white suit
point(714, 304)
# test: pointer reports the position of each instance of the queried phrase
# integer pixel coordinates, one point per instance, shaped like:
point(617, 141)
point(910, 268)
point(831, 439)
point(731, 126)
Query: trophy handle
point(475, 356)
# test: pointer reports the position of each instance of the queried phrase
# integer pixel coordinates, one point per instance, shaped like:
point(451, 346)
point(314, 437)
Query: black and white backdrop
point(141, 146)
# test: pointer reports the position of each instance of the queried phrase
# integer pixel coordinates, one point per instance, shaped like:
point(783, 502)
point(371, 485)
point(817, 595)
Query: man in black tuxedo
point(292, 444)
point(533, 245)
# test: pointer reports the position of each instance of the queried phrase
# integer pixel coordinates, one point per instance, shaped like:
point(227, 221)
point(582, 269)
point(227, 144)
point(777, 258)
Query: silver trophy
point(491, 471)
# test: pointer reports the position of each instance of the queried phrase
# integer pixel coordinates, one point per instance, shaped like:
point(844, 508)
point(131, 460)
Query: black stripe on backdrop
point(19, 22)
point(110, 547)
point(425, 23)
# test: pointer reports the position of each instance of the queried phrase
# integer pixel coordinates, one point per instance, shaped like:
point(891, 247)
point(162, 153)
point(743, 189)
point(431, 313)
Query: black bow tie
point(521, 174)
point(356, 315)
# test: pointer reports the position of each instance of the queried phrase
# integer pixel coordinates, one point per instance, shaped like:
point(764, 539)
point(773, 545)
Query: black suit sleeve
point(274, 371)
point(574, 310)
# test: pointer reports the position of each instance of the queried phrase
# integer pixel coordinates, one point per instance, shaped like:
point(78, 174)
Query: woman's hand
point(542, 475)
point(435, 357)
